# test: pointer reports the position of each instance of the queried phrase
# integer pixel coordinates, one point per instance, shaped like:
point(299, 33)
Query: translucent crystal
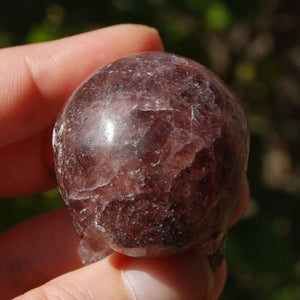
point(150, 155)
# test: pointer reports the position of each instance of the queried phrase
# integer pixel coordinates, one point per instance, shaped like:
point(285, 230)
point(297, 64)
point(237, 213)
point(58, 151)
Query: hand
point(35, 81)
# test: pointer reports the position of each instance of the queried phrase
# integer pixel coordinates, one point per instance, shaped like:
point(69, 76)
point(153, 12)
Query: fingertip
point(68, 61)
point(40, 77)
point(184, 276)
point(149, 36)
point(219, 281)
point(242, 204)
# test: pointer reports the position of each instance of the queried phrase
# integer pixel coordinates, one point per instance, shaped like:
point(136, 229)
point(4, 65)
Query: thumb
point(185, 276)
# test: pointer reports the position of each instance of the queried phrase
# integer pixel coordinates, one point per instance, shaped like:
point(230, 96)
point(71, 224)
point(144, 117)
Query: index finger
point(37, 79)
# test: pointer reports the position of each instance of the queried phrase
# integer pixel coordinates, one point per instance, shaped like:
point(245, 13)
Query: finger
point(219, 281)
point(184, 276)
point(241, 205)
point(36, 251)
point(221, 273)
point(46, 246)
point(97, 281)
point(119, 277)
point(37, 79)
point(217, 258)
point(27, 166)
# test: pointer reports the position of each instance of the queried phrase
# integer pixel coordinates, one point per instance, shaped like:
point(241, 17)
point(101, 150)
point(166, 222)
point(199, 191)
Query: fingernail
point(178, 277)
point(143, 286)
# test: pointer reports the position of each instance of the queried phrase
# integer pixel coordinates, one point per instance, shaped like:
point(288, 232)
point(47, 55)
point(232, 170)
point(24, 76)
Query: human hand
point(42, 252)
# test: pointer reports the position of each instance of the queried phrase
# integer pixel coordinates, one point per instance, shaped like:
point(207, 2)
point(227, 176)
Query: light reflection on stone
point(151, 154)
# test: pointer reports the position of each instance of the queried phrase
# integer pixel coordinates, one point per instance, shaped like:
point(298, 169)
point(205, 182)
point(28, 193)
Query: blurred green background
point(254, 46)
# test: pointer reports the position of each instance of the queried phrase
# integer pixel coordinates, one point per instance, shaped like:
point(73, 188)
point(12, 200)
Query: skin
point(40, 256)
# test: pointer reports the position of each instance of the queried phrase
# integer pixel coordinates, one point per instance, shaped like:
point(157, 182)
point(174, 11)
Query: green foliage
point(217, 16)
point(253, 46)
point(17, 209)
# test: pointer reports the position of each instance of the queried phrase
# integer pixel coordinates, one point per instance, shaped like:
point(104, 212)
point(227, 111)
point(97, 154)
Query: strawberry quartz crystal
point(150, 155)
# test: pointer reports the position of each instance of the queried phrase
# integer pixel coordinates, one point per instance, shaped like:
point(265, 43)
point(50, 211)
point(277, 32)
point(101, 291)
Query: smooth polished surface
point(151, 154)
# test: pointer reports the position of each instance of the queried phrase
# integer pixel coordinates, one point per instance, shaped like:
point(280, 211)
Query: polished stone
point(151, 154)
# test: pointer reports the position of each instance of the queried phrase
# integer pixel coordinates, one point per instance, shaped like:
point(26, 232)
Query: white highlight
point(109, 130)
